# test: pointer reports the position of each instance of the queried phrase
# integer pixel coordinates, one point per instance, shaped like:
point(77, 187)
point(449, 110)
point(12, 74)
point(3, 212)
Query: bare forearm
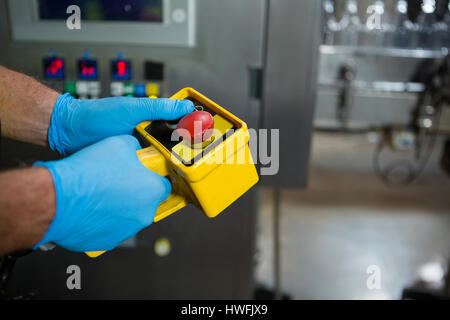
point(25, 107)
point(27, 207)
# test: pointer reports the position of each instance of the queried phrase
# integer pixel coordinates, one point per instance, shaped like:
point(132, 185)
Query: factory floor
point(347, 221)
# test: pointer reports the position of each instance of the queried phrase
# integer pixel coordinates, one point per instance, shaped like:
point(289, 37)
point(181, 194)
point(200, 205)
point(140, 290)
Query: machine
point(238, 53)
point(377, 59)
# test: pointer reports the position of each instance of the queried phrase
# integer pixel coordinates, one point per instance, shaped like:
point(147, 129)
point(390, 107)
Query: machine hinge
point(256, 76)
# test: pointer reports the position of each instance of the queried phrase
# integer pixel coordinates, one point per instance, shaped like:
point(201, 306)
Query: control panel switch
point(152, 89)
point(139, 90)
point(117, 89)
point(82, 88)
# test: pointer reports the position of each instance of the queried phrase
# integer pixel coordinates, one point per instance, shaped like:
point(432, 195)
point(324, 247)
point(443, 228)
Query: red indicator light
point(121, 68)
point(87, 70)
point(55, 66)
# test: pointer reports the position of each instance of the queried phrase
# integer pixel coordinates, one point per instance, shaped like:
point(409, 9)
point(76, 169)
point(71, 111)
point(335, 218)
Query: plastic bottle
point(330, 25)
point(350, 25)
point(403, 27)
point(426, 22)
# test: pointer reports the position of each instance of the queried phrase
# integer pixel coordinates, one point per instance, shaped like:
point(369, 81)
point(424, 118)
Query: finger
point(167, 189)
point(159, 186)
point(164, 109)
point(126, 140)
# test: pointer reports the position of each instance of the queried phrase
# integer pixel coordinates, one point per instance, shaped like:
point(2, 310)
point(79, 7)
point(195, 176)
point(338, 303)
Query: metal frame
point(290, 84)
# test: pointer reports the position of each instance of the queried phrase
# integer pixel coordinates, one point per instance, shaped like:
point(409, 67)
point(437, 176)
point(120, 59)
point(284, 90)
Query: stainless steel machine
point(378, 60)
point(257, 58)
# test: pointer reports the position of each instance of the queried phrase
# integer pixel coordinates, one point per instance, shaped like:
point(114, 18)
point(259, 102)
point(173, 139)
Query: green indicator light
point(128, 89)
point(70, 87)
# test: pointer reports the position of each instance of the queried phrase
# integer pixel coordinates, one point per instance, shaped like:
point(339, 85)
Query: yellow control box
point(212, 174)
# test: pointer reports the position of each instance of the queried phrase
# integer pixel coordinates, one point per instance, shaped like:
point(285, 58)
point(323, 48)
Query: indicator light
point(139, 90)
point(128, 89)
point(53, 68)
point(152, 89)
point(70, 87)
point(87, 69)
point(121, 69)
point(82, 88)
point(117, 89)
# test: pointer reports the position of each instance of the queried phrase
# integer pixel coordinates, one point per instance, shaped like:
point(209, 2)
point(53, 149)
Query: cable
point(413, 171)
point(386, 173)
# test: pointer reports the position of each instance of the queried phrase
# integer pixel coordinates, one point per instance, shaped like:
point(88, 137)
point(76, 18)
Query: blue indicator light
point(140, 90)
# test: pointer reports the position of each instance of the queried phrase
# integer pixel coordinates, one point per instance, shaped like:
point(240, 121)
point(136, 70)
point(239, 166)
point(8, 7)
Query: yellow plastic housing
point(219, 178)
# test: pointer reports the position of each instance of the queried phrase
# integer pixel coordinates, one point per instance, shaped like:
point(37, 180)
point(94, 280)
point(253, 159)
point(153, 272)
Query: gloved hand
point(104, 195)
point(76, 124)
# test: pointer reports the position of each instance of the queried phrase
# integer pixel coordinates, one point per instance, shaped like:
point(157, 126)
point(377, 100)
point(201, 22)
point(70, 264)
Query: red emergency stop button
point(196, 127)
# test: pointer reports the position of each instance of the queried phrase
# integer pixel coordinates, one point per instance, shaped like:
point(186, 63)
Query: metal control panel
point(83, 77)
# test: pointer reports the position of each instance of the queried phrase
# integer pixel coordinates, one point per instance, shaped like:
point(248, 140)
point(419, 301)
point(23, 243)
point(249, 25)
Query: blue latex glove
point(104, 195)
point(76, 124)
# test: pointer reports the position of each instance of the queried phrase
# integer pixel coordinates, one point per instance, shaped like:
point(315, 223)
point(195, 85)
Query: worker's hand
point(76, 124)
point(104, 195)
